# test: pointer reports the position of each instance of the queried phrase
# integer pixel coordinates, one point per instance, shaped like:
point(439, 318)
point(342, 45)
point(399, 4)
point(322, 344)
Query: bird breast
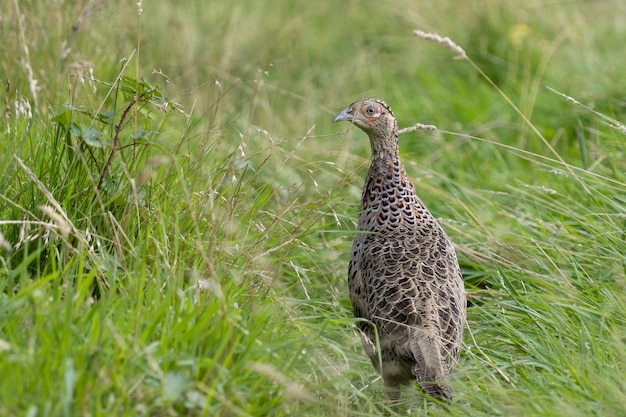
point(389, 204)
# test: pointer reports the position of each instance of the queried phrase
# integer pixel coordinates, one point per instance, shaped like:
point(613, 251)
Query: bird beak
point(345, 115)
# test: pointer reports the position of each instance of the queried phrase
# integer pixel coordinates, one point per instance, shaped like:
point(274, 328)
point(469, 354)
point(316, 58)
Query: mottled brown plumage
point(403, 276)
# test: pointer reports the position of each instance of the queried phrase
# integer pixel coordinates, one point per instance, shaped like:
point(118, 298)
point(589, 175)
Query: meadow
point(177, 208)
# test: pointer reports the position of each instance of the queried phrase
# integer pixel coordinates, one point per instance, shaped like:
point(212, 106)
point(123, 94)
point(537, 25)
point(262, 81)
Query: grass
point(177, 208)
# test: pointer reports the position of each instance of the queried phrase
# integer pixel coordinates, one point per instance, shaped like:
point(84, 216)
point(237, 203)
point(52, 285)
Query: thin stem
point(116, 139)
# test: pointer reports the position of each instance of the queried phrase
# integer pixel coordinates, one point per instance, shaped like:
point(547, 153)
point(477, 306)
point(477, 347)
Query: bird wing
point(407, 282)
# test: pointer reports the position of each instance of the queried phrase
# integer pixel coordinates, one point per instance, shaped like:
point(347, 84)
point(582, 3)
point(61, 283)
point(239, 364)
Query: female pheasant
point(403, 276)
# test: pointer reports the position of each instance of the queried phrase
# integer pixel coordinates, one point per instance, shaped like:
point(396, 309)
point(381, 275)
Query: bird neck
point(386, 173)
point(385, 182)
point(385, 154)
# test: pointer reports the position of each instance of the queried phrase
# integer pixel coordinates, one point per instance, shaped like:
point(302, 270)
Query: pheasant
point(404, 278)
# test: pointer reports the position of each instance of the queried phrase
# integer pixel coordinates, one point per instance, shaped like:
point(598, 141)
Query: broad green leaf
point(92, 137)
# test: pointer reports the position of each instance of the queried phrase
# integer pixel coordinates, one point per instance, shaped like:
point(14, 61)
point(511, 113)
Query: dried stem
point(615, 124)
point(416, 126)
point(447, 42)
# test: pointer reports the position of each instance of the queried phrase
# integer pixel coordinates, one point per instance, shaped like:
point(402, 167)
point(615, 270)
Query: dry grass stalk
point(615, 124)
point(292, 390)
point(447, 42)
point(62, 226)
point(416, 126)
point(4, 243)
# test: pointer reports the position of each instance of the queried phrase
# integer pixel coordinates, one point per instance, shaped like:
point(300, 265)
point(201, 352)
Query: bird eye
point(371, 110)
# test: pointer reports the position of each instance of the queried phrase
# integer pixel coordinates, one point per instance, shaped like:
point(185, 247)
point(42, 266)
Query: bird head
point(372, 116)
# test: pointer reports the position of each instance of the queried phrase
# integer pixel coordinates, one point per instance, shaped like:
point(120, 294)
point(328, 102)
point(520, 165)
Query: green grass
point(177, 209)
